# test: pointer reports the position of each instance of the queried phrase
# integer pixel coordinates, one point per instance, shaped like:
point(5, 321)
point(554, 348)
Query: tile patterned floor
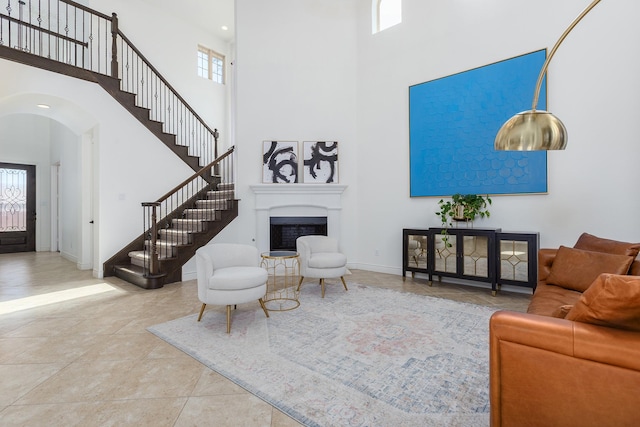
point(72, 359)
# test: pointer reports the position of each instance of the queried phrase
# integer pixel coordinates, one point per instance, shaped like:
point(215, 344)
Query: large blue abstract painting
point(453, 122)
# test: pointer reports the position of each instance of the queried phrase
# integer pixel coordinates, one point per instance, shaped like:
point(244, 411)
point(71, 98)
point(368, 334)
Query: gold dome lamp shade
point(537, 129)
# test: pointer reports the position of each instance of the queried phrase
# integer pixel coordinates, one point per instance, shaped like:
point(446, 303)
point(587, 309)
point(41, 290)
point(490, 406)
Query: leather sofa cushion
point(589, 242)
point(576, 269)
point(612, 300)
point(561, 312)
point(548, 298)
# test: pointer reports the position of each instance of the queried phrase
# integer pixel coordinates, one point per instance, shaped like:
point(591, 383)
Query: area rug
point(366, 357)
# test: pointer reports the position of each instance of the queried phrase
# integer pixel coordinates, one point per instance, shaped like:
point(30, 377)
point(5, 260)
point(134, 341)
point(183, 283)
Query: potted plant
point(462, 207)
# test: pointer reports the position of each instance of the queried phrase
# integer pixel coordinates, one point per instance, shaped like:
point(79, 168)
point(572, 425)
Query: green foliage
point(462, 207)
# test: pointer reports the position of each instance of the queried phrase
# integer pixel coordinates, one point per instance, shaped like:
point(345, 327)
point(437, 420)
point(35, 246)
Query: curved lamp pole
point(534, 129)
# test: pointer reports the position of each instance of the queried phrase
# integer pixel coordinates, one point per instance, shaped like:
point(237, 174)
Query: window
point(386, 13)
point(210, 65)
point(13, 199)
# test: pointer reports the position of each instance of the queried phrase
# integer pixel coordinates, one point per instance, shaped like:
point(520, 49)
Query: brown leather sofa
point(547, 370)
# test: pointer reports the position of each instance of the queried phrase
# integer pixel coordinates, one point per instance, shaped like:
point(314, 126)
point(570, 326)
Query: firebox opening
point(286, 229)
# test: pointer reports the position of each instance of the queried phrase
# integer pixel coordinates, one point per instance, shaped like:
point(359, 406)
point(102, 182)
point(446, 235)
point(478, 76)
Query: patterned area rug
point(366, 357)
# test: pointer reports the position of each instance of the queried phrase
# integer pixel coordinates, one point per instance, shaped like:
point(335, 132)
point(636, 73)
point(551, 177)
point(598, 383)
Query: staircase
point(129, 102)
point(69, 38)
point(172, 236)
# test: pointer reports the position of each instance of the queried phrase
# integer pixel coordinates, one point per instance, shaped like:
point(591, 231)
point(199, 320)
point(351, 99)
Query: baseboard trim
point(189, 275)
point(69, 257)
point(376, 268)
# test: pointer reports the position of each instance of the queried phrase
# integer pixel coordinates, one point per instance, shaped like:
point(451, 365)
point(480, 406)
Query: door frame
point(29, 236)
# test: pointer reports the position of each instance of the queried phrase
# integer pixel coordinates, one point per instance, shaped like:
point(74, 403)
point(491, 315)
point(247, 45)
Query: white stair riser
point(174, 237)
point(226, 186)
point(139, 262)
point(212, 204)
point(220, 195)
point(203, 214)
point(164, 249)
point(187, 225)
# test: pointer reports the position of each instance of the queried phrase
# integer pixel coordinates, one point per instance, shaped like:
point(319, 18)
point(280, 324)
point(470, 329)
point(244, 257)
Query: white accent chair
point(320, 258)
point(228, 274)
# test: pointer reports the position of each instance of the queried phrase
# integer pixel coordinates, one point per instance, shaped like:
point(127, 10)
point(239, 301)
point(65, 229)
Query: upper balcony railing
point(73, 34)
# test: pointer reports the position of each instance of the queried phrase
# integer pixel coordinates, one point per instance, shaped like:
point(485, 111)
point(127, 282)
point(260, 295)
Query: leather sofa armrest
point(545, 261)
point(547, 333)
point(547, 371)
point(576, 339)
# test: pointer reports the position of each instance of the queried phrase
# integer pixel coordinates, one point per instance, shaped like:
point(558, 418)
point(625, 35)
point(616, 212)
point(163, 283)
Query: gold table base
point(283, 268)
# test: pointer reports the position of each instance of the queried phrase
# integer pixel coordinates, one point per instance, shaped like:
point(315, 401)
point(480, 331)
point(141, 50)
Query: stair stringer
point(112, 86)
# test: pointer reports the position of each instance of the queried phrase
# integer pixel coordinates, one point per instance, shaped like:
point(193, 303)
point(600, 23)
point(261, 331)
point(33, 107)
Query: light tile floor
point(74, 350)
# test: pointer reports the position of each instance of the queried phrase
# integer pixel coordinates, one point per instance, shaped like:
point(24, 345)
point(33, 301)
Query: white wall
point(296, 81)
point(302, 73)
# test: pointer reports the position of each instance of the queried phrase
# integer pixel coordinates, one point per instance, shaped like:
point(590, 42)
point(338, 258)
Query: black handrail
point(205, 170)
point(76, 35)
point(163, 213)
point(152, 68)
point(44, 30)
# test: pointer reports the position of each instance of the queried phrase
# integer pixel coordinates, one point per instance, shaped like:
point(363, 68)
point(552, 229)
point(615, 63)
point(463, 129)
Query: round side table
point(282, 286)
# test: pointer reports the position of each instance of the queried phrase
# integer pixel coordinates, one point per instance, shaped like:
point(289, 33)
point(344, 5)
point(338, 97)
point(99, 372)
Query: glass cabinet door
point(514, 260)
point(475, 255)
point(445, 247)
point(417, 251)
point(518, 258)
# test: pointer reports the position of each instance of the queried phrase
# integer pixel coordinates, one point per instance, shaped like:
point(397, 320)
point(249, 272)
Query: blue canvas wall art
point(453, 122)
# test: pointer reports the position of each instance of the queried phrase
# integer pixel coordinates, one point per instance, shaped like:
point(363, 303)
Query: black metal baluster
point(49, 28)
point(65, 45)
point(9, 14)
point(2, 32)
point(20, 19)
point(137, 79)
point(29, 30)
point(84, 33)
point(40, 48)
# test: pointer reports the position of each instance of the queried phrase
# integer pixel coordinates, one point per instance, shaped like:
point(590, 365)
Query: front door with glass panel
point(17, 208)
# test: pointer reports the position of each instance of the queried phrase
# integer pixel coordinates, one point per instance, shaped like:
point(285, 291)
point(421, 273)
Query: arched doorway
point(49, 140)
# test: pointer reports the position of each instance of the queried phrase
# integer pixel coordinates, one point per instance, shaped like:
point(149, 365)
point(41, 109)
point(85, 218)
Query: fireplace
point(299, 201)
point(285, 230)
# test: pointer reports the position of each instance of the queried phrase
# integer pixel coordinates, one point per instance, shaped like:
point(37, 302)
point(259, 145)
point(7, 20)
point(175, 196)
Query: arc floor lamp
point(537, 129)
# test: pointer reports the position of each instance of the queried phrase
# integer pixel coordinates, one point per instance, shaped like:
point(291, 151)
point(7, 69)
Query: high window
point(210, 65)
point(386, 13)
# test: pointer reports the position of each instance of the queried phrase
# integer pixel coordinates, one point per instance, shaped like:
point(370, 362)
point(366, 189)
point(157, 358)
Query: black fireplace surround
point(285, 230)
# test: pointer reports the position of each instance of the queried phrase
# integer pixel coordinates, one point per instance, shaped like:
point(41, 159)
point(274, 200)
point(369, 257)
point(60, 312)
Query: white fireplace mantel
point(296, 200)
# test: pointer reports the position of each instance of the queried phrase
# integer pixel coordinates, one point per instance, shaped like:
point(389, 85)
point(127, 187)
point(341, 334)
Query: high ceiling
point(210, 15)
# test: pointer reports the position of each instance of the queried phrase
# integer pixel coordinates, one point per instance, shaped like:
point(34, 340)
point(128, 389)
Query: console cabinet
point(486, 255)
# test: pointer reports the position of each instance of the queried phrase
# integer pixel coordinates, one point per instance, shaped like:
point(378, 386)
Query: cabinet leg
point(413, 274)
